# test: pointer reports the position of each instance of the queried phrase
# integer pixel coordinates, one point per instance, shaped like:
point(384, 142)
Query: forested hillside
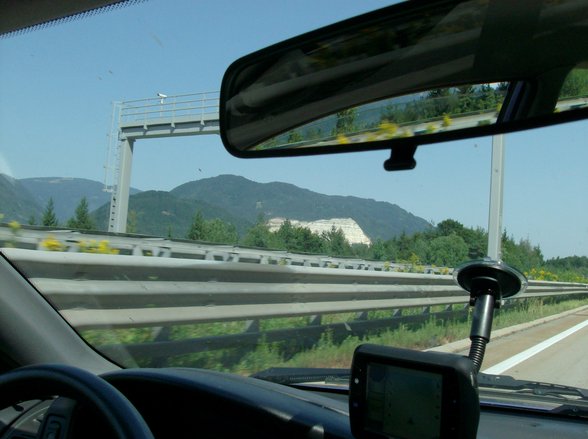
point(160, 213)
point(16, 202)
point(66, 194)
point(234, 210)
point(249, 199)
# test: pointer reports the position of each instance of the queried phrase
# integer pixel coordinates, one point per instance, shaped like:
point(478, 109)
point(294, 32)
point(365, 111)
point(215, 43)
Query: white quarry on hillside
point(353, 233)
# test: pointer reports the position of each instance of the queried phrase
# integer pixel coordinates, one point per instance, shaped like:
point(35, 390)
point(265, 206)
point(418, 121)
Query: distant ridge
point(160, 213)
point(231, 198)
point(249, 199)
point(67, 193)
point(17, 203)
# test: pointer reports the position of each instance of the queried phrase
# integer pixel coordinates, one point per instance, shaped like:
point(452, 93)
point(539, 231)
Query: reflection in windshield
point(245, 266)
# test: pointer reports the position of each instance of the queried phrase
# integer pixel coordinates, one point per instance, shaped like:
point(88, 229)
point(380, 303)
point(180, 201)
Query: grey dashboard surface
point(522, 426)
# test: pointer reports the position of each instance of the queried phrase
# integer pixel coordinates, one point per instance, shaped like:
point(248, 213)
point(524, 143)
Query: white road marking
point(522, 356)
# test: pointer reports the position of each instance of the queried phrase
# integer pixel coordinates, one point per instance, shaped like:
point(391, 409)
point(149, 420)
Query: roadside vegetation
point(447, 244)
point(331, 349)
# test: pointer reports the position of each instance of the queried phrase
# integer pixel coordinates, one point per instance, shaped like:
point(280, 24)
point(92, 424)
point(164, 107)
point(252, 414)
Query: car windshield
point(121, 206)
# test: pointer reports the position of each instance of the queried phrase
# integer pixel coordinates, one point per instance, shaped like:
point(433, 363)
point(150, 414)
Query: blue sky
point(57, 86)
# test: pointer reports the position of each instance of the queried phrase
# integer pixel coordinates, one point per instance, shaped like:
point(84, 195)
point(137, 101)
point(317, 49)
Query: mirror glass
point(428, 112)
point(574, 91)
point(411, 69)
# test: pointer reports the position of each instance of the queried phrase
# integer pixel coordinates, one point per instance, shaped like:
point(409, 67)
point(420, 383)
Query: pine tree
point(82, 219)
point(49, 219)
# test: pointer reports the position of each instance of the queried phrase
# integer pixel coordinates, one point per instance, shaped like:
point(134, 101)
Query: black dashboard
point(206, 404)
point(203, 404)
point(213, 404)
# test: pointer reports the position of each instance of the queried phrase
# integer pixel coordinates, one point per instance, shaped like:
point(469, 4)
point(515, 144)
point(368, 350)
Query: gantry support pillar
point(119, 204)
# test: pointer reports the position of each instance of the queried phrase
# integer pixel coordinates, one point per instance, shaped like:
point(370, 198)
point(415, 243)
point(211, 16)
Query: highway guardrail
point(98, 291)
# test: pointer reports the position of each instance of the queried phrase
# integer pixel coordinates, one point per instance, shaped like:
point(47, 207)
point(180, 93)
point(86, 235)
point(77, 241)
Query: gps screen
point(391, 412)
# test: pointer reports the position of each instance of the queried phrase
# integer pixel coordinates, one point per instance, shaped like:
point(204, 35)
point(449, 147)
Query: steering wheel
point(32, 382)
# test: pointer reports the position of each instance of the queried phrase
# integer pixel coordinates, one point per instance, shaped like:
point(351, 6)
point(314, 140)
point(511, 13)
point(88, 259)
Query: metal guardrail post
point(252, 326)
point(315, 320)
point(361, 316)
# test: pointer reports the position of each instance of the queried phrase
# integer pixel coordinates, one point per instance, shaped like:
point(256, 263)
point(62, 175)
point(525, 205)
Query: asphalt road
point(554, 352)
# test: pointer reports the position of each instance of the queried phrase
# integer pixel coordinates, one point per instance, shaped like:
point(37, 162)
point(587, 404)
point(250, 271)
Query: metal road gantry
point(164, 116)
point(198, 113)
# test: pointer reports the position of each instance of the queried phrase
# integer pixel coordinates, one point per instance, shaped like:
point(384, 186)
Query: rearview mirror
point(413, 73)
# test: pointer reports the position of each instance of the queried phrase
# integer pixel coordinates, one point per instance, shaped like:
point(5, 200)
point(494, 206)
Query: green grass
point(432, 333)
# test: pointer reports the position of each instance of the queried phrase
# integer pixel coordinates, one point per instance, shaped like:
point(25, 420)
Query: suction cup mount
point(488, 282)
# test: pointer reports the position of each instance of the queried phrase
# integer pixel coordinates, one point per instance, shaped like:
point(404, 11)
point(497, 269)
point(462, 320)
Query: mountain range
point(248, 199)
point(231, 198)
point(16, 202)
point(66, 193)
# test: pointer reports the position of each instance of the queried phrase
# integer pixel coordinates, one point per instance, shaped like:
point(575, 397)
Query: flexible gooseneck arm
point(488, 282)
